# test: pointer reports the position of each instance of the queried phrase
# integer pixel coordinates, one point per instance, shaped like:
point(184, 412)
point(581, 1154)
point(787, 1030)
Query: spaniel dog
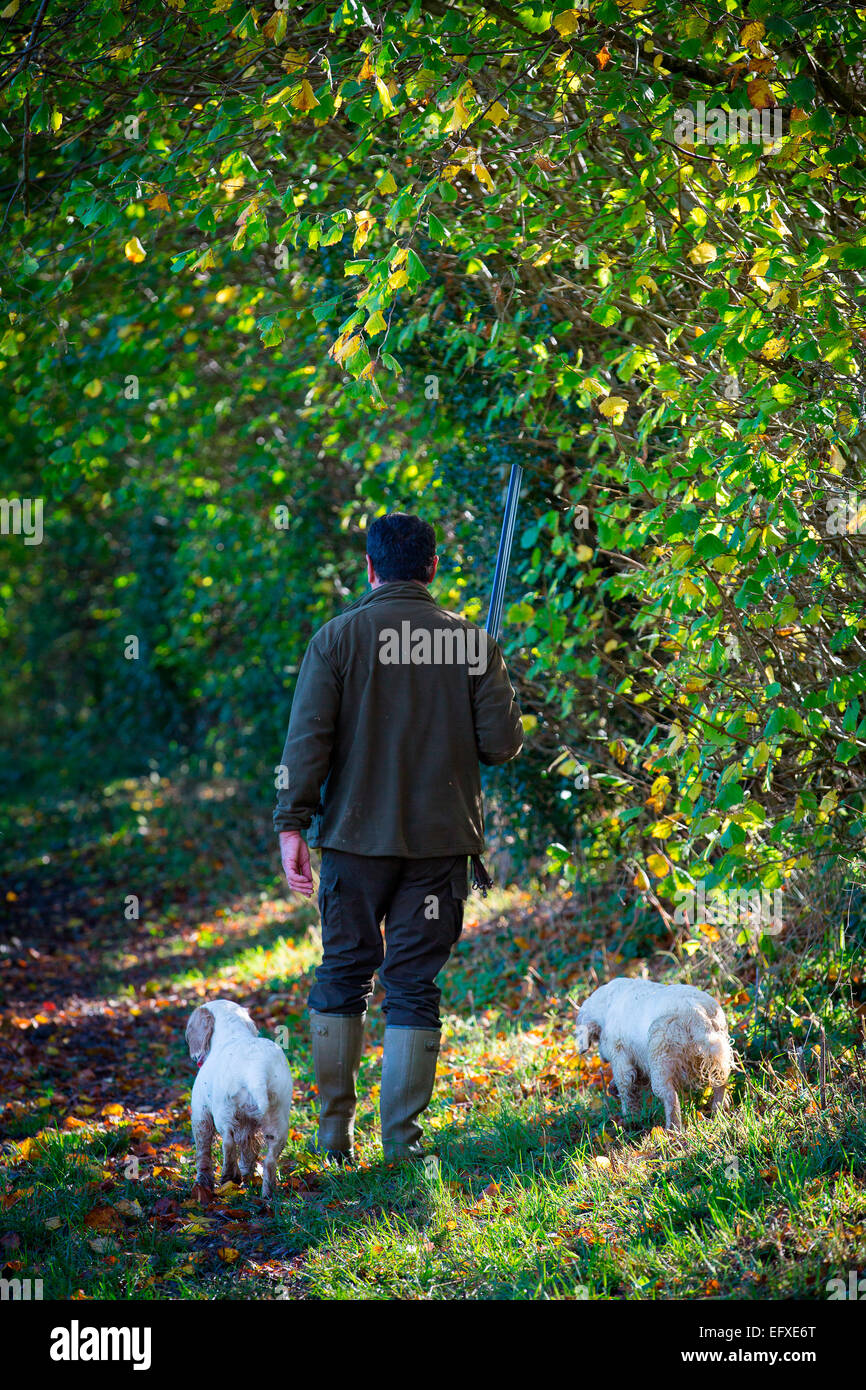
point(243, 1087)
point(672, 1038)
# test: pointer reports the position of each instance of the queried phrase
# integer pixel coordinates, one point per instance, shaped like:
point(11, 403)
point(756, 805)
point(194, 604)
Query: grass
point(539, 1190)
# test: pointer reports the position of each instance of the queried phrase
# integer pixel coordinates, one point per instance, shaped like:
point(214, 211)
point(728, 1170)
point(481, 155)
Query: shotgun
point(480, 877)
point(500, 574)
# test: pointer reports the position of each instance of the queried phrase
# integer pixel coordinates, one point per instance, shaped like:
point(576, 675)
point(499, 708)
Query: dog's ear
point(199, 1032)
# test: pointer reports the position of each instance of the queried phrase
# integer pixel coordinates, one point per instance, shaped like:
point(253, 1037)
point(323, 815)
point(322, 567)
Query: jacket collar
point(401, 589)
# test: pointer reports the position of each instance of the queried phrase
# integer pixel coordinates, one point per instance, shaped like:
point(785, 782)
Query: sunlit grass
point(539, 1189)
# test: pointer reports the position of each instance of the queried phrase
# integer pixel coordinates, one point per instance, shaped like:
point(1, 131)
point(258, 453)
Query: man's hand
point(296, 862)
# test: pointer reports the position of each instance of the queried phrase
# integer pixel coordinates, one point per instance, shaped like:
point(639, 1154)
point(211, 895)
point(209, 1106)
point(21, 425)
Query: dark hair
point(401, 546)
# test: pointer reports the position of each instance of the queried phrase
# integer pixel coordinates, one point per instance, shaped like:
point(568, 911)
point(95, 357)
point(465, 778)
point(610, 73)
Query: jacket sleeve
point(307, 753)
point(498, 730)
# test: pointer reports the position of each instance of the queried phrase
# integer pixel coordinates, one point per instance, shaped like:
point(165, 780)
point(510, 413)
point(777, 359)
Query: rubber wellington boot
point(408, 1073)
point(338, 1040)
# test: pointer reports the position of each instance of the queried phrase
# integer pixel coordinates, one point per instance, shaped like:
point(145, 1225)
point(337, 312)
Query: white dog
point(244, 1086)
point(670, 1037)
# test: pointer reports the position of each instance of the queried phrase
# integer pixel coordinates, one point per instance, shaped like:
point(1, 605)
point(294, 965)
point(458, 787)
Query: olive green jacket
point(397, 702)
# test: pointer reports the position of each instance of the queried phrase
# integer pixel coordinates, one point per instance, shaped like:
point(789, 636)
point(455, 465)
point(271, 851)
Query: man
point(397, 701)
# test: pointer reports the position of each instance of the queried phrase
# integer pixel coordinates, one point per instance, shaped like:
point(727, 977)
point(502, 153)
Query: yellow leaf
point(275, 29)
point(703, 253)
point(251, 210)
point(760, 94)
point(566, 23)
point(364, 224)
point(640, 880)
point(345, 346)
point(367, 70)
point(482, 174)
point(305, 98)
point(295, 61)
point(459, 115)
point(752, 34)
point(584, 553)
point(658, 864)
point(10, 10)
point(614, 408)
point(134, 251)
point(774, 347)
point(113, 1109)
point(387, 183)
point(384, 96)
point(158, 203)
point(56, 120)
point(601, 1161)
point(93, 388)
point(398, 280)
point(228, 1255)
point(496, 113)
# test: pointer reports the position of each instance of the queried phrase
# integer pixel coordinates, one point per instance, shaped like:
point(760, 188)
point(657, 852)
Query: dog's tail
point(252, 1099)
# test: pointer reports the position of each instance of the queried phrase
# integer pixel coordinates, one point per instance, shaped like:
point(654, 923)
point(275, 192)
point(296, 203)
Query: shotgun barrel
point(509, 522)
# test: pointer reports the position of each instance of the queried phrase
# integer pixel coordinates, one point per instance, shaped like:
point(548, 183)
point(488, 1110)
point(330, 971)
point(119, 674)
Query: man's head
point(400, 546)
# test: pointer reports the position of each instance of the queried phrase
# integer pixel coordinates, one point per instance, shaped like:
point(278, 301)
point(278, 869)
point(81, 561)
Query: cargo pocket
point(330, 906)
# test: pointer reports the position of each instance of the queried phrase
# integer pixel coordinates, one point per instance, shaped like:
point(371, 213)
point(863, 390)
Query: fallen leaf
point(103, 1218)
point(128, 1208)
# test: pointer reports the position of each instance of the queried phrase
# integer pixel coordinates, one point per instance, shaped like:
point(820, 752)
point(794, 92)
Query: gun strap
point(480, 877)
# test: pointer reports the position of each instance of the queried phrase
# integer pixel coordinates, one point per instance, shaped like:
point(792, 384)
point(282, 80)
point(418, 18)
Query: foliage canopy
point(339, 259)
